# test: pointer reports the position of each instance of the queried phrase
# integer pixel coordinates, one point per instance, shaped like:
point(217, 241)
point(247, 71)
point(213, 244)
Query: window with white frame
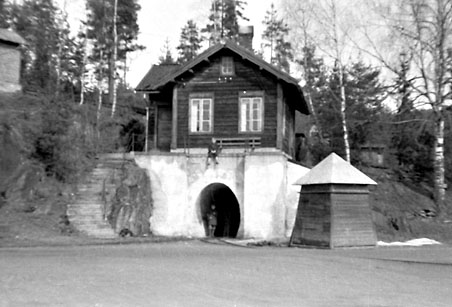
point(251, 110)
point(201, 114)
point(227, 66)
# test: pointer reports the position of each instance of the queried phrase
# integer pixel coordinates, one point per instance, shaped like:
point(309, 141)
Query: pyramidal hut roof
point(334, 170)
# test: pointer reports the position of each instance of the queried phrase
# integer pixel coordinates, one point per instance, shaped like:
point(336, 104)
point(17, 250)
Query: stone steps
point(74, 212)
point(78, 213)
point(86, 213)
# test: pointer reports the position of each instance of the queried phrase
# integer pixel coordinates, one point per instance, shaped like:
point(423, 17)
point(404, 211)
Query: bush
point(62, 144)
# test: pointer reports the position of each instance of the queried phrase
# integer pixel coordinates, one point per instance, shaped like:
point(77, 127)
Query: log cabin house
point(227, 92)
point(231, 94)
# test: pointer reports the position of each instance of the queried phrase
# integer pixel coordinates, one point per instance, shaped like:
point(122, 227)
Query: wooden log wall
point(334, 216)
point(351, 220)
point(313, 220)
point(226, 102)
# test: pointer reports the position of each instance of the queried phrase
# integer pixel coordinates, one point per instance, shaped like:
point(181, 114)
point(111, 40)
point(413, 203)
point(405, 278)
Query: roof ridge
point(245, 53)
point(335, 170)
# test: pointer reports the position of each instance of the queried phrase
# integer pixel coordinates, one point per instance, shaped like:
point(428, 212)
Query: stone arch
point(226, 206)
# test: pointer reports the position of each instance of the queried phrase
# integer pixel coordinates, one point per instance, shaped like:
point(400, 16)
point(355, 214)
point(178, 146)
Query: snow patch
point(414, 242)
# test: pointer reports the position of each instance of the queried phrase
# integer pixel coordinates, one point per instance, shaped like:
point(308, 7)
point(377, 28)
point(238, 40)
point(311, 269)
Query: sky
point(163, 19)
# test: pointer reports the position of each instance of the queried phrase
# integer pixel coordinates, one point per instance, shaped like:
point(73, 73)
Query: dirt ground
point(197, 273)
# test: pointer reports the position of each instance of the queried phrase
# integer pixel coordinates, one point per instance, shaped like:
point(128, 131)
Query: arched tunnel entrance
point(219, 198)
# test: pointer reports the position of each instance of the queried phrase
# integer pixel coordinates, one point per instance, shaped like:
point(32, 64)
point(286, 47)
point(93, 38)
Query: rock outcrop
point(115, 199)
point(131, 204)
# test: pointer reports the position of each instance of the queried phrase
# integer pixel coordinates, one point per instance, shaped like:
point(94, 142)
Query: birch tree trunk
point(438, 163)
point(330, 33)
point(113, 62)
point(82, 73)
point(343, 99)
point(343, 117)
point(100, 87)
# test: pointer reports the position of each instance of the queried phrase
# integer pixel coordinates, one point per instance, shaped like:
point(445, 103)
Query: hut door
point(164, 117)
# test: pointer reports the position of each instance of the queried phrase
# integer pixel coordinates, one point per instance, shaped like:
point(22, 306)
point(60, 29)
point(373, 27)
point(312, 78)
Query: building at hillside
point(248, 106)
point(10, 59)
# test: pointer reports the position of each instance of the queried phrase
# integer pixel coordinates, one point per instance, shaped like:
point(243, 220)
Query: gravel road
point(195, 273)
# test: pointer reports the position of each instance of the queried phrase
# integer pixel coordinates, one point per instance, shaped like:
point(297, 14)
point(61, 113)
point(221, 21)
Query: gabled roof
point(334, 170)
point(156, 74)
point(151, 82)
point(10, 36)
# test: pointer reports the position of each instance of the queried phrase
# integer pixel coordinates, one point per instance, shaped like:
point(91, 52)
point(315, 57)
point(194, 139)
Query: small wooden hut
point(372, 154)
point(10, 58)
point(333, 209)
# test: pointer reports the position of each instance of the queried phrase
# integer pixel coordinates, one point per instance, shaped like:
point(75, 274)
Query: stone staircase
point(87, 212)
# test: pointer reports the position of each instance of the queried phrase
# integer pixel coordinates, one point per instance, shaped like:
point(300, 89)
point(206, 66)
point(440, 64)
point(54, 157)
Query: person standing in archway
point(212, 220)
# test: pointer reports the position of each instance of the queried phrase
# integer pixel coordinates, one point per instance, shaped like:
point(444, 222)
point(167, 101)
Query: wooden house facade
point(228, 93)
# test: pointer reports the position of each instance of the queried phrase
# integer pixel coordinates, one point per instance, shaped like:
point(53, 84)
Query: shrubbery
point(70, 136)
point(62, 145)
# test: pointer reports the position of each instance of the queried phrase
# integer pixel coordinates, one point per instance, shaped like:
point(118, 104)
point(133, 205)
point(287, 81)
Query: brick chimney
point(246, 34)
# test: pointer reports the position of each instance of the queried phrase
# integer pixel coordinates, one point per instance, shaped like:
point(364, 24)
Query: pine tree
point(364, 95)
point(364, 104)
point(315, 85)
point(80, 59)
point(403, 134)
point(274, 37)
point(314, 80)
point(100, 23)
point(65, 50)
point(223, 20)
point(167, 56)
point(36, 21)
point(189, 43)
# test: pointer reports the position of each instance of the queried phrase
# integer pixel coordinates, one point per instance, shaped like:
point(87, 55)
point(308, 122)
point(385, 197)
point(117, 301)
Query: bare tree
point(301, 19)
point(422, 29)
point(329, 32)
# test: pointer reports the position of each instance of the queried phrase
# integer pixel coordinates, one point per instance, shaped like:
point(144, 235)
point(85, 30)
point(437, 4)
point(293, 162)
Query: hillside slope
point(399, 214)
point(402, 212)
point(33, 204)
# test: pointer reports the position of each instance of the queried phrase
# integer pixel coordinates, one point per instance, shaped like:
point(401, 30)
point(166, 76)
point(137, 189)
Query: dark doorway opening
point(133, 136)
point(219, 198)
point(164, 126)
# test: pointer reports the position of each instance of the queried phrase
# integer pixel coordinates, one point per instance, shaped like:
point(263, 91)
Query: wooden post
point(146, 141)
point(174, 120)
point(156, 131)
point(279, 117)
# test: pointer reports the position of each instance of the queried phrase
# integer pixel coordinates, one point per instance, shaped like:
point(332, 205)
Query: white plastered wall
point(262, 184)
